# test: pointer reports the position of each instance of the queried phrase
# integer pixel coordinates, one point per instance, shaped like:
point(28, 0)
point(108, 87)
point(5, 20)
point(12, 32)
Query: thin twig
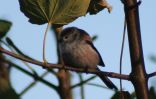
point(100, 86)
point(12, 45)
point(60, 66)
point(122, 49)
point(34, 76)
point(82, 82)
point(81, 87)
point(32, 84)
point(152, 74)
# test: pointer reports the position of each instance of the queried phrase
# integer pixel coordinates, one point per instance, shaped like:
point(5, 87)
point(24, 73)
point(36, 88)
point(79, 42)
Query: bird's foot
point(64, 68)
point(86, 69)
point(45, 62)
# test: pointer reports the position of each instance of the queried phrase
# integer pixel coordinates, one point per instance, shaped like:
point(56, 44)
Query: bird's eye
point(65, 37)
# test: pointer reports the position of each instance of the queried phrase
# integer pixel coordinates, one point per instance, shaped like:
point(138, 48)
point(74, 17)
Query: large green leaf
point(4, 27)
point(54, 11)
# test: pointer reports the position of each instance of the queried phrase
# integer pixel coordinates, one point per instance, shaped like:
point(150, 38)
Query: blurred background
point(109, 30)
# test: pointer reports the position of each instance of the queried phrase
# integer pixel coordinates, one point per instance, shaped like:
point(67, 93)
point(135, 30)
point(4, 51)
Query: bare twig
point(100, 86)
point(32, 84)
point(82, 82)
point(34, 76)
point(151, 74)
point(122, 50)
point(59, 66)
point(11, 43)
point(82, 87)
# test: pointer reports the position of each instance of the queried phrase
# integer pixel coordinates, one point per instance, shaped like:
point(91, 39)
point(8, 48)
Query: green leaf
point(4, 27)
point(153, 58)
point(152, 93)
point(54, 11)
point(121, 95)
point(9, 94)
point(94, 37)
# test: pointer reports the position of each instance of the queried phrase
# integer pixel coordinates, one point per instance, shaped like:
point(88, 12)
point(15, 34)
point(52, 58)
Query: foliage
point(4, 27)
point(54, 11)
point(127, 95)
point(60, 12)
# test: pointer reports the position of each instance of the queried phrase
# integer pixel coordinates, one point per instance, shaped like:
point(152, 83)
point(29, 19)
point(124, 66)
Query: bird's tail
point(107, 81)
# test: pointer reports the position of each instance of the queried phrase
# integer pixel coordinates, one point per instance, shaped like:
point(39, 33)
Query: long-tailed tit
point(77, 50)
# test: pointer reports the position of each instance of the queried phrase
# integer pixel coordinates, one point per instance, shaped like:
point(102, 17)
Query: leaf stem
point(44, 42)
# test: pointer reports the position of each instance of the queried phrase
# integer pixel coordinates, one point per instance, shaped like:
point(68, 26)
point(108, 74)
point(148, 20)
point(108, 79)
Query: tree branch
point(60, 66)
point(32, 84)
point(151, 74)
point(82, 82)
point(100, 86)
point(37, 78)
point(138, 73)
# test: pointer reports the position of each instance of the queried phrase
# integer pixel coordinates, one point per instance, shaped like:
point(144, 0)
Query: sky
point(109, 29)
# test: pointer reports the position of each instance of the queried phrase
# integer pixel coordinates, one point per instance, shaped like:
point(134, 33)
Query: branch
point(138, 74)
point(100, 86)
point(35, 76)
point(151, 74)
point(82, 82)
point(81, 87)
point(11, 43)
point(60, 66)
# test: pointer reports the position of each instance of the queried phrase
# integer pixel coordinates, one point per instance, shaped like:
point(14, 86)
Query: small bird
point(77, 50)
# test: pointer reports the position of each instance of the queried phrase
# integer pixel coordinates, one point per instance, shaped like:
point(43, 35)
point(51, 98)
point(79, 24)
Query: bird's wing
point(89, 41)
point(101, 63)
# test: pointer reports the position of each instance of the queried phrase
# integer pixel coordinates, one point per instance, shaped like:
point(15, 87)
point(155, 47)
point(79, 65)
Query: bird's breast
point(82, 55)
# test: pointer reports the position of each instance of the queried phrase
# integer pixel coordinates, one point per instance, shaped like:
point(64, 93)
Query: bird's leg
point(45, 63)
point(64, 68)
point(86, 69)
